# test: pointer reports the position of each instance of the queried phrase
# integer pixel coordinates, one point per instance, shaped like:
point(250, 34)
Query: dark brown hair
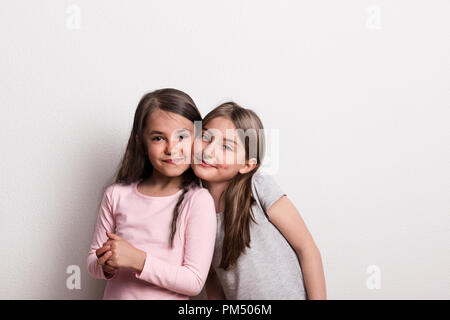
point(135, 165)
point(238, 198)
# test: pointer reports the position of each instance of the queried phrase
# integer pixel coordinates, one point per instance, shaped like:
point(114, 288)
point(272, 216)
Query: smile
point(207, 165)
point(203, 163)
point(173, 161)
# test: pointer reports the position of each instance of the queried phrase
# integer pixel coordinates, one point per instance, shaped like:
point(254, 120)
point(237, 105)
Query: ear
point(249, 166)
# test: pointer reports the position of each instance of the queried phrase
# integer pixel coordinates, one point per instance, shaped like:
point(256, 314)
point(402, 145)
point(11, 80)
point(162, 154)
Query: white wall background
point(360, 91)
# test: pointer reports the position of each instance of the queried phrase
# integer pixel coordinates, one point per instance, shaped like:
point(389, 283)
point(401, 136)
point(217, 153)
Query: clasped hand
point(119, 253)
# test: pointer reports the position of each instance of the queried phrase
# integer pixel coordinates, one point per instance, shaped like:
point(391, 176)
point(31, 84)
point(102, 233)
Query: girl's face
point(168, 142)
point(221, 157)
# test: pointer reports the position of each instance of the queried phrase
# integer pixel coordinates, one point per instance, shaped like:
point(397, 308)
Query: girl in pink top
point(156, 226)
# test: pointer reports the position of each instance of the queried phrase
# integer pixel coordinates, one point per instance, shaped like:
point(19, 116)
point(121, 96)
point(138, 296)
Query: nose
point(209, 150)
point(171, 147)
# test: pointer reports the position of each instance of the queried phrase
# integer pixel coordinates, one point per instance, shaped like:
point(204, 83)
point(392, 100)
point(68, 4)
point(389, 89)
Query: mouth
point(174, 161)
point(203, 163)
point(207, 165)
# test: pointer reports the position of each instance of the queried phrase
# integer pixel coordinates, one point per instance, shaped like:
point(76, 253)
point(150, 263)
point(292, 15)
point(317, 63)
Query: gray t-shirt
point(270, 268)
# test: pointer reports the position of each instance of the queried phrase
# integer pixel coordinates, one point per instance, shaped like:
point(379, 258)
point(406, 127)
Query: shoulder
point(197, 193)
point(107, 198)
point(266, 190)
point(262, 180)
point(108, 189)
point(199, 203)
point(108, 192)
point(115, 191)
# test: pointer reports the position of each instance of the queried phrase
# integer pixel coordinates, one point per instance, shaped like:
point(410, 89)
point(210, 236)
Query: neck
point(216, 189)
point(162, 182)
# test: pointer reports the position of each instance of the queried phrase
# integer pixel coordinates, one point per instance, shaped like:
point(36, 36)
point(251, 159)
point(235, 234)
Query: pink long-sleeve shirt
point(144, 221)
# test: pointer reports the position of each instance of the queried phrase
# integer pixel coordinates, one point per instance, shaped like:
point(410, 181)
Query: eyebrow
point(156, 132)
point(224, 139)
point(160, 132)
point(232, 141)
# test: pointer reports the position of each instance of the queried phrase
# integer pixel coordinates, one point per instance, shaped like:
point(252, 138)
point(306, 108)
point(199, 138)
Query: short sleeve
point(266, 190)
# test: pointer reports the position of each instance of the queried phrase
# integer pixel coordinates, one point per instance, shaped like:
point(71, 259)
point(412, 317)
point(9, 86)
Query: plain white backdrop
point(359, 91)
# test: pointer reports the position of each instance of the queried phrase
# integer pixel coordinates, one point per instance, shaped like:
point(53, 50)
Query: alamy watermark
point(373, 21)
point(74, 280)
point(73, 21)
point(235, 147)
point(374, 280)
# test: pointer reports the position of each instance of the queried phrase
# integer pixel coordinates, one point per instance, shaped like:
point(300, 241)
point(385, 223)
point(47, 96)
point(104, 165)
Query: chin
point(173, 172)
point(207, 174)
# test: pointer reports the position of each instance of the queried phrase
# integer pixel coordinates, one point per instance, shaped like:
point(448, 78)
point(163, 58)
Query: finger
point(111, 263)
point(104, 257)
point(108, 265)
point(109, 243)
point(102, 250)
point(109, 269)
point(113, 236)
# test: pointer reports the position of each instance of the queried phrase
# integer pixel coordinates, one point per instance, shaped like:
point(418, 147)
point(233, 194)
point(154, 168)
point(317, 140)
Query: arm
point(200, 235)
point(284, 215)
point(214, 289)
point(105, 222)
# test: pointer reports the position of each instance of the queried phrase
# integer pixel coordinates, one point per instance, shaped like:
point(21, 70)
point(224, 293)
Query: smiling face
point(222, 154)
point(168, 142)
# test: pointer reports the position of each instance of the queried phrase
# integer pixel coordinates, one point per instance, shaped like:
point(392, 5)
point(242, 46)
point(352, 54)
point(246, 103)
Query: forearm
point(182, 279)
point(313, 274)
point(139, 260)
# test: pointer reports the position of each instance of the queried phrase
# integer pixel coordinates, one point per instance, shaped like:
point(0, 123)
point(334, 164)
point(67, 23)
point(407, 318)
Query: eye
point(227, 147)
point(206, 137)
point(157, 138)
point(183, 136)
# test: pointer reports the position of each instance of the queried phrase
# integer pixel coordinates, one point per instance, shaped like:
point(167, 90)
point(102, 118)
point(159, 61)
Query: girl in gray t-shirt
point(263, 249)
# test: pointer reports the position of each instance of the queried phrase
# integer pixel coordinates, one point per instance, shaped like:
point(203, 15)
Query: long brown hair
point(238, 198)
point(135, 164)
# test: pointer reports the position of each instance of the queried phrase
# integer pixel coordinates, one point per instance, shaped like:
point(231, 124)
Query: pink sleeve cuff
point(95, 270)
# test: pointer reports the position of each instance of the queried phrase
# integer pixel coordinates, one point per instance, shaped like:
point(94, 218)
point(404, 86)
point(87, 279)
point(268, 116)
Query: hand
point(123, 254)
point(103, 254)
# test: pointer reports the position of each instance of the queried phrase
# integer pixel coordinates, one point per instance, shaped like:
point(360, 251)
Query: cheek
point(202, 146)
point(227, 171)
point(155, 150)
point(197, 146)
point(230, 158)
point(240, 156)
point(187, 146)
